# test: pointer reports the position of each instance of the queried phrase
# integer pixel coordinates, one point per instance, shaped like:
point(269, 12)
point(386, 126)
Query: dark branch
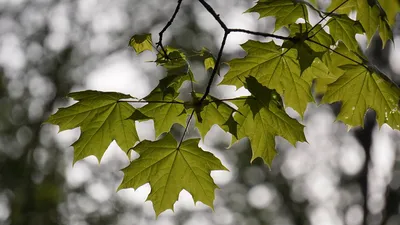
point(217, 62)
point(260, 34)
point(328, 14)
point(159, 43)
point(214, 14)
point(315, 42)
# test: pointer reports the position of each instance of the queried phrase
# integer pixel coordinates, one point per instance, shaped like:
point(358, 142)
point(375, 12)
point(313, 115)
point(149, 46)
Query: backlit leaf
point(262, 118)
point(285, 11)
point(342, 28)
point(360, 89)
point(141, 42)
point(275, 68)
point(102, 118)
point(169, 170)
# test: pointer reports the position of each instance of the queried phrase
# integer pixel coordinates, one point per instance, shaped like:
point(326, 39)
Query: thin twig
point(260, 34)
point(159, 43)
point(217, 62)
point(214, 14)
point(233, 99)
point(330, 13)
point(333, 50)
point(185, 131)
point(322, 27)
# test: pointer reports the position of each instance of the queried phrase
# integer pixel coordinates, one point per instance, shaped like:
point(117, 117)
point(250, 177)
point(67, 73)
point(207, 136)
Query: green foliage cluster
point(310, 62)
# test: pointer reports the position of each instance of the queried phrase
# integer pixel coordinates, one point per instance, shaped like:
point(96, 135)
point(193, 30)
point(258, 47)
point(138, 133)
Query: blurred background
point(49, 48)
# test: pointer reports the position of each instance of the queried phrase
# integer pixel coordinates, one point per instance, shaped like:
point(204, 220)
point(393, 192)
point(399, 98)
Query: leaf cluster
point(315, 59)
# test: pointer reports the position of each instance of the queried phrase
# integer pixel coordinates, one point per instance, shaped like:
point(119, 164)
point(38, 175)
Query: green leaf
point(163, 112)
point(371, 16)
point(360, 89)
point(275, 68)
point(285, 11)
point(209, 60)
point(262, 118)
point(178, 71)
point(319, 72)
point(101, 118)
point(391, 9)
point(345, 29)
point(368, 17)
point(304, 38)
point(141, 42)
point(346, 8)
point(216, 112)
point(169, 170)
point(328, 69)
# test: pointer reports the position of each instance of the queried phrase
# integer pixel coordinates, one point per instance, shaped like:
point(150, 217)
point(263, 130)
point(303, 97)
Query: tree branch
point(260, 34)
point(328, 14)
point(169, 23)
point(217, 62)
point(333, 50)
point(214, 14)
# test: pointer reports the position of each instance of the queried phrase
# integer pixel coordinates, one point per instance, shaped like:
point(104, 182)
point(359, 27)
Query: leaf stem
point(185, 131)
point(169, 23)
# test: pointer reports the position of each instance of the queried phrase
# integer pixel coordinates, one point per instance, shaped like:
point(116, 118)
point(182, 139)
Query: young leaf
point(274, 67)
point(209, 60)
point(141, 42)
point(359, 89)
point(178, 71)
point(345, 29)
point(169, 170)
point(285, 11)
point(262, 118)
point(102, 118)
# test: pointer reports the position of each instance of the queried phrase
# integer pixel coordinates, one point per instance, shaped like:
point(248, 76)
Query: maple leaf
point(102, 118)
point(361, 88)
point(327, 70)
point(370, 14)
point(141, 42)
point(304, 41)
point(165, 110)
point(169, 170)
point(342, 28)
point(346, 6)
point(285, 11)
point(391, 9)
point(216, 112)
point(262, 118)
point(276, 68)
point(178, 71)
